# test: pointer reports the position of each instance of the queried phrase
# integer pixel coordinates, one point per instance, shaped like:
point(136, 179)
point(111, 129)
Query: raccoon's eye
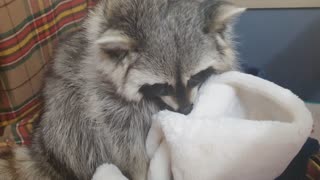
point(156, 90)
point(115, 44)
point(200, 77)
point(116, 54)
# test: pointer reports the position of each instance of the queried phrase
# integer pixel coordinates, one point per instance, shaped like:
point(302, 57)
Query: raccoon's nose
point(185, 109)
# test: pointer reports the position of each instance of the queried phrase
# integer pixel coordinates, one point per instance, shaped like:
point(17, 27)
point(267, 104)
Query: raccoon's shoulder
point(71, 47)
point(68, 56)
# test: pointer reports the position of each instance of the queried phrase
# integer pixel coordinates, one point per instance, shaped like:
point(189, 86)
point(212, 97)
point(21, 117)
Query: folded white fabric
point(241, 127)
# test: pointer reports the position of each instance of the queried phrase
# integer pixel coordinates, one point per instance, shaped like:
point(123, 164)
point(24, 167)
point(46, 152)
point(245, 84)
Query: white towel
point(241, 127)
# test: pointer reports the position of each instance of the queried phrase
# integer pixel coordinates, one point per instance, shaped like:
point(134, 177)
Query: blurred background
point(284, 45)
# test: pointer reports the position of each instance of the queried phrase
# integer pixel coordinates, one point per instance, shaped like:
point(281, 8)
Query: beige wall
point(278, 3)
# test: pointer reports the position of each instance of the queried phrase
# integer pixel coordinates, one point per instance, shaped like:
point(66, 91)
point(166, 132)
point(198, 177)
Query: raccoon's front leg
point(141, 176)
point(140, 173)
point(127, 152)
point(137, 168)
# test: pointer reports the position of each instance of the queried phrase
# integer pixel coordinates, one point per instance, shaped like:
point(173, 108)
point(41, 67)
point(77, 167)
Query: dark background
point(285, 45)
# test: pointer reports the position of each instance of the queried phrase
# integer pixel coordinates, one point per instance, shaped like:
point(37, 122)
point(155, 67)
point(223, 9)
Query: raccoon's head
point(162, 49)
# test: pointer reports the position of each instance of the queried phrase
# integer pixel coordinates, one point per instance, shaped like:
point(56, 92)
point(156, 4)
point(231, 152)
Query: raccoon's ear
point(219, 14)
point(114, 45)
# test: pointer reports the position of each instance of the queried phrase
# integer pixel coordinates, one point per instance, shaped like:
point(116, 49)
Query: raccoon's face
point(162, 49)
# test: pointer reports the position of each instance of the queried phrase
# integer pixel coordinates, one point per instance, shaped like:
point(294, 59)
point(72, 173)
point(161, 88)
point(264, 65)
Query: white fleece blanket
point(241, 127)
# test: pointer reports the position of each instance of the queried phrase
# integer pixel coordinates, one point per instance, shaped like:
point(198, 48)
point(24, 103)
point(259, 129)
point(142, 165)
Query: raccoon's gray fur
point(133, 58)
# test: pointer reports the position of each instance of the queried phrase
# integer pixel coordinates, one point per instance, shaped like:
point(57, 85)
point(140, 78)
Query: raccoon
point(132, 59)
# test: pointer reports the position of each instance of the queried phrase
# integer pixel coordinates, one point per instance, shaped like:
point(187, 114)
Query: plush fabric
point(29, 29)
point(108, 171)
point(241, 127)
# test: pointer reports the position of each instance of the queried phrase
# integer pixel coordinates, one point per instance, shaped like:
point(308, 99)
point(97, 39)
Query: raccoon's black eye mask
point(200, 77)
point(157, 90)
point(162, 105)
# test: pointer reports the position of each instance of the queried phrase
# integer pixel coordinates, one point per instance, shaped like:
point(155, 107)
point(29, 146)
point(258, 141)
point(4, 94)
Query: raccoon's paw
point(108, 172)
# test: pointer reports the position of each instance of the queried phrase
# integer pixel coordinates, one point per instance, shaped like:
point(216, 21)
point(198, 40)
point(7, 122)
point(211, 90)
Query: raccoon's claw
point(108, 172)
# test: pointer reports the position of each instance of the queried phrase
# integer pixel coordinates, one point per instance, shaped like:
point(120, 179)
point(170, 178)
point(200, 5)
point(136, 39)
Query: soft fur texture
point(241, 127)
point(132, 58)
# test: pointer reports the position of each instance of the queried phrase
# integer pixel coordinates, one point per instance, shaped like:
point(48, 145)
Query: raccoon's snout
point(185, 109)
